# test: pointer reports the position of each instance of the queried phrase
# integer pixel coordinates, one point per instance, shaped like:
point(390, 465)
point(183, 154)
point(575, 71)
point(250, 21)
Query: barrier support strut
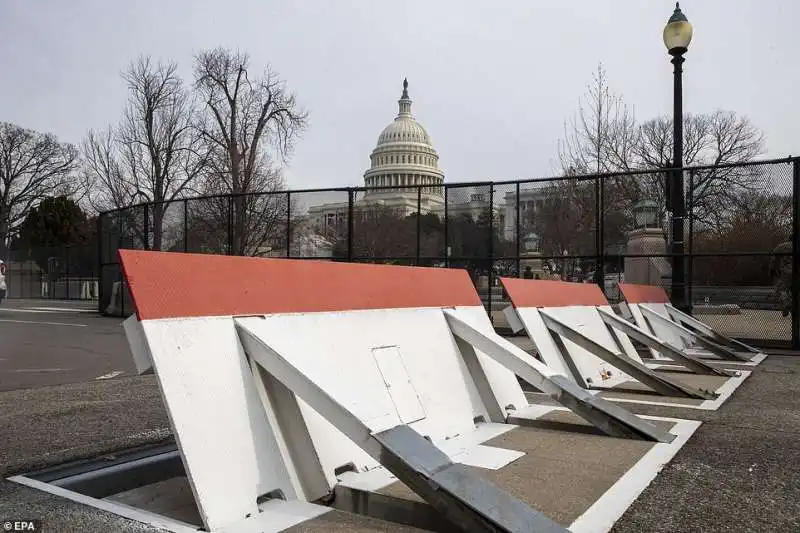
point(465, 499)
point(704, 329)
point(605, 415)
point(717, 349)
point(640, 335)
point(645, 375)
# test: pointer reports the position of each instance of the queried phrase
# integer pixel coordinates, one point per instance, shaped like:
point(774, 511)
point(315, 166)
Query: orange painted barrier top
point(170, 285)
point(643, 294)
point(549, 293)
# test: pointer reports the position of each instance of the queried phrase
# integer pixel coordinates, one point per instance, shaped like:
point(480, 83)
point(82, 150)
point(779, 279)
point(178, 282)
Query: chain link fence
point(58, 273)
point(740, 236)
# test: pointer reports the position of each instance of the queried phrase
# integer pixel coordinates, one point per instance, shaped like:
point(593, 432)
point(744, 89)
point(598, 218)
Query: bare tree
point(762, 219)
point(33, 166)
point(563, 217)
point(756, 222)
point(721, 138)
point(104, 172)
point(155, 150)
point(256, 222)
point(602, 137)
point(244, 120)
point(605, 137)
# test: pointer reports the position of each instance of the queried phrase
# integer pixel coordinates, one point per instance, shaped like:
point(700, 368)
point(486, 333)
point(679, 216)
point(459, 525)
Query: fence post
point(518, 224)
point(795, 314)
point(146, 226)
point(690, 257)
point(100, 270)
point(490, 276)
point(350, 193)
point(288, 223)
point(66, 269)
point(599, 267)
point(186, 225)
point(419, 221)
point(230, 225)
point(446, 224)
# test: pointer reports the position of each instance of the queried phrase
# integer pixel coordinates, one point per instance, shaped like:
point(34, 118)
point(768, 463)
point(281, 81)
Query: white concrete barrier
point(576, 331)
point(292, 372)
point(651, 310)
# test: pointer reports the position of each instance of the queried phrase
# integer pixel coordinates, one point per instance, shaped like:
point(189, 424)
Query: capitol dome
point(404, 155)
point(404, 128)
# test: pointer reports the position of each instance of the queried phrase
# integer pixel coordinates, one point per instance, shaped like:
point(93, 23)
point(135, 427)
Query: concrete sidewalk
point(740, 471)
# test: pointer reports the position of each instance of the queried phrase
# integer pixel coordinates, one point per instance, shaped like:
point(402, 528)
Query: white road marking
point(44, 310)
point(110, 375)
point(43, 323)
point(29, 370)
point(62, 309)
point(22, 310)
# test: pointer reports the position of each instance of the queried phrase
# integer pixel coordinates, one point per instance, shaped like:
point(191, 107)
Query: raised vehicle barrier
point(298, 380)
point(650, 308)
point(576, 331)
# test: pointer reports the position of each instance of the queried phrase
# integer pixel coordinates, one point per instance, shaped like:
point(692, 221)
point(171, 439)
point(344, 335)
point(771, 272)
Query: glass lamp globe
point(645, 214)
point(531, 243)
point(677, 32)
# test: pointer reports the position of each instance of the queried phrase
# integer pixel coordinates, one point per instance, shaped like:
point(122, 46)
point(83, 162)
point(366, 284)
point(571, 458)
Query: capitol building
point(404, 156)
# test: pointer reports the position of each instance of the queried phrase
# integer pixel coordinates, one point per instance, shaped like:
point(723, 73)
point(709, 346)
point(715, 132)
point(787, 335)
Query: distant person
point(528, 274)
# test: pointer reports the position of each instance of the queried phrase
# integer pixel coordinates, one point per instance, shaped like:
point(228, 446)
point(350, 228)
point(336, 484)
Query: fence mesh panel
point(737, 234)
point(746, 210)
point(167, 227)
point(208, 223)
point(318, 224)
point(737, 296)
point(384, 222)
point(53, 272)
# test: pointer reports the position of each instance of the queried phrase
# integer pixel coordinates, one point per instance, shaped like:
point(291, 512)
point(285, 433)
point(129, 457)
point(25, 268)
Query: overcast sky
point(492, 82)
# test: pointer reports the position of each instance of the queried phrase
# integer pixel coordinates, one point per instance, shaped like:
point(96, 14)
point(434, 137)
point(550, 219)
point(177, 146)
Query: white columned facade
point(404, 170)
point(404, 157)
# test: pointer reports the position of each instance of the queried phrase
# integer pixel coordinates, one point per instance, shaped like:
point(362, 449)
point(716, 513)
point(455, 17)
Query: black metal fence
point(741, 235)
point(58, 272)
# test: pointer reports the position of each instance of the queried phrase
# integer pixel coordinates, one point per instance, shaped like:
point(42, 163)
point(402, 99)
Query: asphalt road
point(54, 342)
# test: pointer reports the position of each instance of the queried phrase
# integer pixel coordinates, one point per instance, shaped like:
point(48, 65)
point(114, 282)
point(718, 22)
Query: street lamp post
point(677, 36)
